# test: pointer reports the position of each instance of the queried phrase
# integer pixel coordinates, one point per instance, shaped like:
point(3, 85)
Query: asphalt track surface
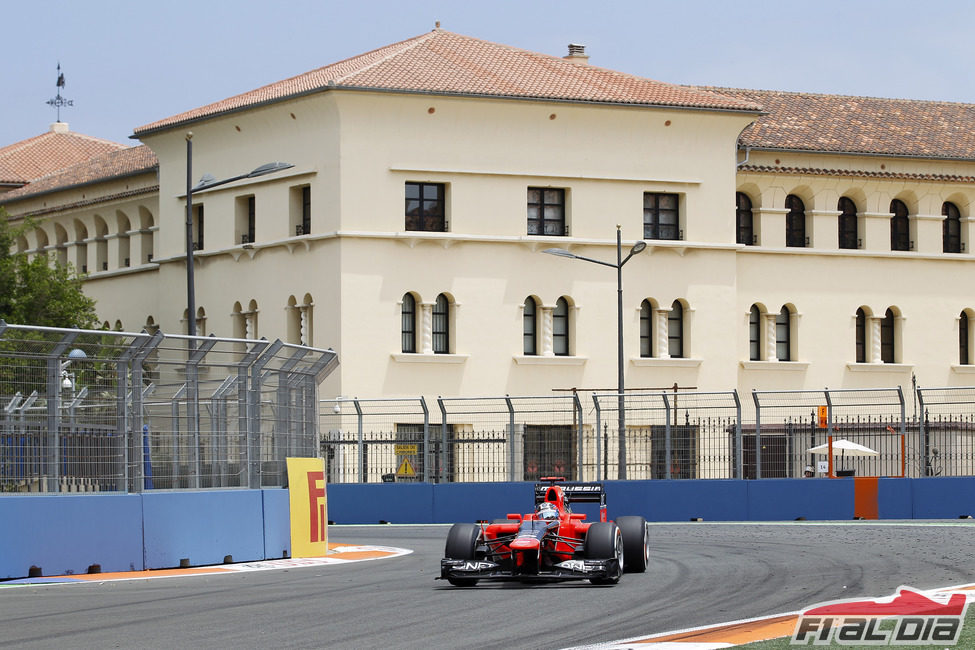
point(700, 573)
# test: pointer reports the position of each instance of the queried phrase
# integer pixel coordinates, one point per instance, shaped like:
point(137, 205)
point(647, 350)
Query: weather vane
point(58, 100)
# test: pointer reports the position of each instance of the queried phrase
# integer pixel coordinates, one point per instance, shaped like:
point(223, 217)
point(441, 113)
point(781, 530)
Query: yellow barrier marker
point(309, 507)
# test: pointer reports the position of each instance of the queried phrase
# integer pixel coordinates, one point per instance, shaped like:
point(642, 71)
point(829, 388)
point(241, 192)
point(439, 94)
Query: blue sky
point(128, 63)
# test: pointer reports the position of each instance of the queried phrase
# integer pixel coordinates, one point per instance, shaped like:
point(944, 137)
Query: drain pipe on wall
point(748, 152)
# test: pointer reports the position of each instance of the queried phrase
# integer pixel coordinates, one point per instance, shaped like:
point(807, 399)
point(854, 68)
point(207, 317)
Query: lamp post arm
point(589, 259)
point(207, 184)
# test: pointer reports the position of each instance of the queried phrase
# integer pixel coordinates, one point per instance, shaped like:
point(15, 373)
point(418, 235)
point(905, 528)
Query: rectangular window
point(305, 210)
point(251, 219)
point(549, 450)
point(546, 211)
point(198, 227)
point(661, 219)
point(245, 219)
point(425, 207)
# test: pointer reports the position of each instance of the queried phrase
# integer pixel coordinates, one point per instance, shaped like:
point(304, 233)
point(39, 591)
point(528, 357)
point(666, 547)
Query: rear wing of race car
point(575, 491)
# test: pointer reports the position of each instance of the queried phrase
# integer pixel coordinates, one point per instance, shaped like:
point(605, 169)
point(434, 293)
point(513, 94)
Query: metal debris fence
point(669, 435)
point(101, 411)
point(86, 411)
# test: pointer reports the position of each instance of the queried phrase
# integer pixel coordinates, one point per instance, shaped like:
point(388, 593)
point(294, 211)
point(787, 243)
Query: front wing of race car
point(573, 569)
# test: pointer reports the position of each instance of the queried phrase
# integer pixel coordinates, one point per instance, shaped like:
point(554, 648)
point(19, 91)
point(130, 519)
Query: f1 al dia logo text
point(908, 618)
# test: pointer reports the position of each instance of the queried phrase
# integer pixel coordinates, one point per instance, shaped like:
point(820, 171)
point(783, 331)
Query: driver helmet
point(546, 510)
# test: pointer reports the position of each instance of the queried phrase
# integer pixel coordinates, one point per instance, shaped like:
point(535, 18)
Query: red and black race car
point(552, 543)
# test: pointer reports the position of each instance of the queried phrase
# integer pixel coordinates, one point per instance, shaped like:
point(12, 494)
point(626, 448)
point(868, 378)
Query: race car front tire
point(462, 545)
point(605, 541)
point(636, 543)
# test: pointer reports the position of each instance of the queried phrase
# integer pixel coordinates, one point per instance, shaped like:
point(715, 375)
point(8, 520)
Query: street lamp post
point(206, 182)
point(620, 261)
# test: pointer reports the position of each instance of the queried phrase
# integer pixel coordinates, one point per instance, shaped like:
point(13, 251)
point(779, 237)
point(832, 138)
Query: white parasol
point(843, 448)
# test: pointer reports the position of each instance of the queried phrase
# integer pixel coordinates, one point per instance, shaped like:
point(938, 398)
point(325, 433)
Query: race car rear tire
point(462, 545)
point(636, 543)
point(604, 541)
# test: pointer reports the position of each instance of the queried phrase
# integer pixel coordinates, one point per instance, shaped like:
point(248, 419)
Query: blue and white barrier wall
point(81, 533)
point(711, 500)
point(70, 534)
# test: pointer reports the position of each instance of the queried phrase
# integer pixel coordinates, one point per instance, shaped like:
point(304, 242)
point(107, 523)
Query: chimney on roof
point(577, 53)
point(59, 127)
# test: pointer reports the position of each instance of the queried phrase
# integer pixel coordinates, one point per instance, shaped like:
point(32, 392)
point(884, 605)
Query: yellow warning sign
point(406, 469)
point(405, 450)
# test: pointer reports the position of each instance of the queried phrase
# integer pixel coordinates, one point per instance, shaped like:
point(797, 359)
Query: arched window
point(795, 222)
point(441, 325)
point(951, 228)
point(201, 322)
point(238, 327)
point(675, 330)
point(744, 219)
point(783, 335)
point(81, 247)
point(123, 227)
point(530, 327)
point(560, 328)
point(250, 320)
point(861, 337)
point(61, 244)
point(964, 357)
point(293, 321)
point(847, 223)
point(306, 320)
point(900, 227)
point(101, 245)
point(408, 326)
point(646, 329)
point(887, 350)
point(755, 333)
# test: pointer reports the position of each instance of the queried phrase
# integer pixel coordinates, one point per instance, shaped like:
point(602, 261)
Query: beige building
point(793, 241)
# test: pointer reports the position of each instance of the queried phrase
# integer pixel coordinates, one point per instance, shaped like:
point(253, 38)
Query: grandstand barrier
point(69, 534)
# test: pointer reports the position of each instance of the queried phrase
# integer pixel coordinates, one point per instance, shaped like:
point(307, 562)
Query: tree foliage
point(39, 290)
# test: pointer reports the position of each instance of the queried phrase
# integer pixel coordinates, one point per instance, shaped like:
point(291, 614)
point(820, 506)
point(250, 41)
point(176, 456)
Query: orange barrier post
point(830, 450)
point(865, 497)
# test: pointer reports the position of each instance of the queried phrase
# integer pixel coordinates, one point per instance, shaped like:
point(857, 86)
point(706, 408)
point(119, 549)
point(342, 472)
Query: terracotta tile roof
point(46, 153)
point(842, 124)
point(857, 173)
point(123, 162)
point(445, 63)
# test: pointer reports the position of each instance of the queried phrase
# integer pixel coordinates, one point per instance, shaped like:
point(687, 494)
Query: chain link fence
point(100, 411)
